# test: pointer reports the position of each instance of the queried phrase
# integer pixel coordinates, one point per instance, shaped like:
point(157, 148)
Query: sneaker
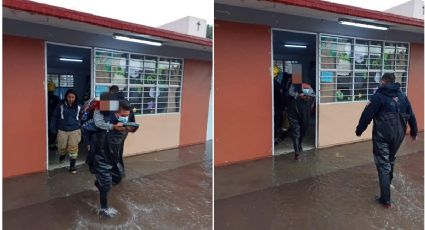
point(73, 170)
point(296, 157)
point(61, 159)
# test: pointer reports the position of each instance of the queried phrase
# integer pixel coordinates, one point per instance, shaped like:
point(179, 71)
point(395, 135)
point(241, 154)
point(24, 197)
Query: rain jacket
point(66, 117)
point(390, 111)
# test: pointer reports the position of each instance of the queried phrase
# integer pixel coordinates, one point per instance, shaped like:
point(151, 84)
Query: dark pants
point(122, 153)
point(278, 121)
point(89, 139)
point(299, 119)
point(106, 164)
point(384, 157)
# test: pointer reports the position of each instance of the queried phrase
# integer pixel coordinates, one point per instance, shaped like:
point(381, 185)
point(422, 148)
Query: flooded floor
point(169, 189)
point(332, 188)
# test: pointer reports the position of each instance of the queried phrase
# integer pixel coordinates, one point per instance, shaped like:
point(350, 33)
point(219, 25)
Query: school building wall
point(337, 122)
point(415, 90)
point(195, 101)
point(24, 116)
point(243, 99)
point(24, 148)
point(242, 92)
point(164, 131)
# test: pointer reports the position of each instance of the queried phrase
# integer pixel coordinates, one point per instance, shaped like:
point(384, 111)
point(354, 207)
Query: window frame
point(129, 85)
point(355, 71)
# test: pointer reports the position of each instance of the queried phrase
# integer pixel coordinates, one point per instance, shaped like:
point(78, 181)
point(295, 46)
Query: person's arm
point(132, 118)
point(292, 92)
point(99, 121)
point(412, 120)
point(368, 113)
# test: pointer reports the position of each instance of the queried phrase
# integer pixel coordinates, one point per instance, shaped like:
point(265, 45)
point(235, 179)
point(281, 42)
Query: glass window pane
point(149, 99)
point(154, 81)
point(344, 89)
point(360, 86)
point(374, 80)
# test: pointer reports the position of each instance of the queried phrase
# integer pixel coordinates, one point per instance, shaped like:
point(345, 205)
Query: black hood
point(390, 89)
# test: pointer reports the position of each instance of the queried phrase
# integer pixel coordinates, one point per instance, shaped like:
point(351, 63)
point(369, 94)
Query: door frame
point(45, 86)
point(317, 83)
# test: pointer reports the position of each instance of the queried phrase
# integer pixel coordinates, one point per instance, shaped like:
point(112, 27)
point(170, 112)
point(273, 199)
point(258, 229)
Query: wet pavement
point(331, 188)
point(170, 189)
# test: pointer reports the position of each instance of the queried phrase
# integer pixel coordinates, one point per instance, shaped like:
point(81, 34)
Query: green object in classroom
point(339, 95)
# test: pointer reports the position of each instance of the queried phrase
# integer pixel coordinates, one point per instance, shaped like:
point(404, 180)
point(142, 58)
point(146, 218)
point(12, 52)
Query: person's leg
point(295, 132)
point(122, 153)
point(73, 141)
point(304, 122)
point(103, 164)
point(381, 155)
point(277, 124)
point(62, 139)
point(394, 147)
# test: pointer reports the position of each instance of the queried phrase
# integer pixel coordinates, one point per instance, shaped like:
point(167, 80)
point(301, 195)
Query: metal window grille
point(152, 84)
point(350, 68)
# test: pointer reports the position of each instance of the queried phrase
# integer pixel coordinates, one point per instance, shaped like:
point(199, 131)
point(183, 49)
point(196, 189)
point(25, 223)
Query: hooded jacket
point(390, 111)
point(66, 117)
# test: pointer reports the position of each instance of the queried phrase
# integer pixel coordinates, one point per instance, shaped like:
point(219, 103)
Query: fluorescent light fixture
point(71, 59)
point(137, 40)
point(362, 24)
point(295, 46)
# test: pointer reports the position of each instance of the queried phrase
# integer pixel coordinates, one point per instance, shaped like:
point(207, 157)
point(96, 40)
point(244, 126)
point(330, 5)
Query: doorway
point(68, 67)
point(295, 58)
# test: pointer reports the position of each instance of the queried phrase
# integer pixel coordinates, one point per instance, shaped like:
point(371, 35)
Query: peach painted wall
point(24, 116)
point(242, 92)
point(338, 122)
point(195, 99)
point(157, 132)
point(415, 90)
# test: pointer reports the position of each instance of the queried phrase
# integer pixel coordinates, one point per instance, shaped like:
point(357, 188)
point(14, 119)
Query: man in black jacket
point(390, 111)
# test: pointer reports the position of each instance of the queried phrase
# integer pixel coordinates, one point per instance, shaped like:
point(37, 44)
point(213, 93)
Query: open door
point(68, 67)
point(294, 61)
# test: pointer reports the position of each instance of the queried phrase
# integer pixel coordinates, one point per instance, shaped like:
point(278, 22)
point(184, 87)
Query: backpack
point(89, 109)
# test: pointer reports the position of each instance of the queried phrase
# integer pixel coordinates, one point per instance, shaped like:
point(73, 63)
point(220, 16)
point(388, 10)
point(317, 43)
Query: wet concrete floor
point(170, 189)
point(331, 188)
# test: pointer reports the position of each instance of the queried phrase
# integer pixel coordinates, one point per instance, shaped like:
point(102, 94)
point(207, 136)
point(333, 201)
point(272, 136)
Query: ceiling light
point(71, 59)
point(295, 46)
point(362, 24)
point(137, 40)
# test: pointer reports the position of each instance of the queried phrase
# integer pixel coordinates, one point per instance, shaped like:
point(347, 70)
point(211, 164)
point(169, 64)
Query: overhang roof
point(353, 11)
point(330, 11)
point(35, 12)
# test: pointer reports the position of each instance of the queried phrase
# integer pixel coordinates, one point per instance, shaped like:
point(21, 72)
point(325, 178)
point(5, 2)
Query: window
point(351, 68)
point(152, 84)
point(61, 80)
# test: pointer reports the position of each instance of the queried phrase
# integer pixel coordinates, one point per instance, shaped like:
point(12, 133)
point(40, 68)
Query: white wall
point(411, 9)
point(210, 119)
point(188, 25)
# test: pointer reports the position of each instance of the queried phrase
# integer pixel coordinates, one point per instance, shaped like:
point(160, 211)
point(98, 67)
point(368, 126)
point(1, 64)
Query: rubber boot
point(295, 143)
point(104, 210)
point(72, 167)
point(300, 147)
point(385, 205)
